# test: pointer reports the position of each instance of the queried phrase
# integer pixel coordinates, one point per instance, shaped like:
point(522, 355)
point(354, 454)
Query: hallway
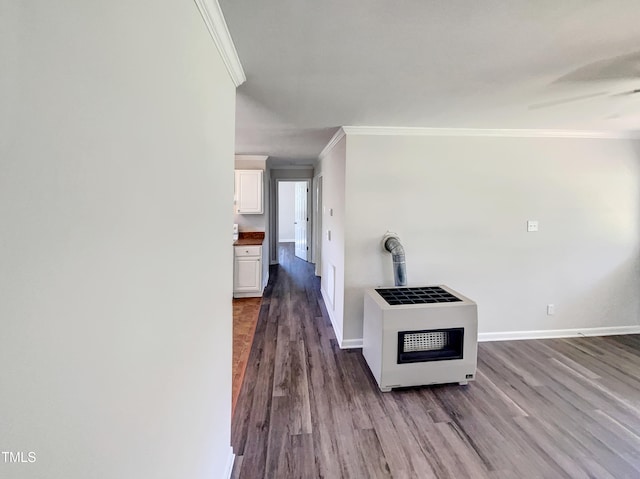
point(559, 408)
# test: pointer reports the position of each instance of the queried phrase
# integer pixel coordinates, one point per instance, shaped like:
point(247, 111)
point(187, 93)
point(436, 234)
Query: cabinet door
point(248, 192)
point(247, 275)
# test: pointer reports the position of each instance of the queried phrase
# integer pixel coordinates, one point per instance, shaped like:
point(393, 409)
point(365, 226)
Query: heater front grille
point(430, 345)
point(425, 341)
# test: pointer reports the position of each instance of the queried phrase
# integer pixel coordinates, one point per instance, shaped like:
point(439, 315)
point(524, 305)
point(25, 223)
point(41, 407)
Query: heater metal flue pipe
point(391, 243)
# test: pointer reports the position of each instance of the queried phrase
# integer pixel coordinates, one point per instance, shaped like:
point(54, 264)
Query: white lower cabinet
point(247, 271)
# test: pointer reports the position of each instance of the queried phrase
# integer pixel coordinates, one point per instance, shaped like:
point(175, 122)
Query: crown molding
point(251, 157)
point(489, 132)
point(217, 26)
point(333, 142)
point(306, 166)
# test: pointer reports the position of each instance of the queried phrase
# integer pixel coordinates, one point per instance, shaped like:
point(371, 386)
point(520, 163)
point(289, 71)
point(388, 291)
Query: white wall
point(286, 210)
point(460, 206)
point(332, 170)
point(116, 190)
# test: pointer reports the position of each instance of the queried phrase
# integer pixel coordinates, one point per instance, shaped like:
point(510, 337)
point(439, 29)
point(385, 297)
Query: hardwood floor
point(561, 408)
point(245, 318)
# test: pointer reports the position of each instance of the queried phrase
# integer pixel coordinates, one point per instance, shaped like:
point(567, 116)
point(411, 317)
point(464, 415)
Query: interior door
point(301, 220)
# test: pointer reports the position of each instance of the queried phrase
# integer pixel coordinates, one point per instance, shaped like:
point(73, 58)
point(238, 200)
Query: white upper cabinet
point(248, 192)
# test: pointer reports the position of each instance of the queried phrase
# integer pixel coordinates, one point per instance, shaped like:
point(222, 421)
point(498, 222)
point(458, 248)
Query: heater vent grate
point(430, 345)
point(425, 341)
point(428, 294)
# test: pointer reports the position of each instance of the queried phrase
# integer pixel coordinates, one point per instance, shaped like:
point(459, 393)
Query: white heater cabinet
point(415, 336)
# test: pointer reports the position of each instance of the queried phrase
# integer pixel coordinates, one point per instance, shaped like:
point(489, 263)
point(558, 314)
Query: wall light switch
point(532, 225)
point(329, 235)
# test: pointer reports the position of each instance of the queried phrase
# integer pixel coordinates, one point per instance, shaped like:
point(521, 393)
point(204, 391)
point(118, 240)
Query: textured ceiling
point(313, 66)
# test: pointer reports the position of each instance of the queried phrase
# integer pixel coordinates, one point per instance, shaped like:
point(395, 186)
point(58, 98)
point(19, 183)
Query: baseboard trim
point(287, 241)
point(253, 294)
point(229, 468)
point(329, 308)
point(351, 343)
point(522, 335)
point(324, 295)
point(558, 333)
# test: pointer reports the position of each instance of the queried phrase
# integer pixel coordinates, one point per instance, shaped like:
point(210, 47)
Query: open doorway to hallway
point(293, 216)
point(292, 204)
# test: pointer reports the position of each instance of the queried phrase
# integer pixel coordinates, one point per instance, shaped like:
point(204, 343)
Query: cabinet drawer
point(247, 250)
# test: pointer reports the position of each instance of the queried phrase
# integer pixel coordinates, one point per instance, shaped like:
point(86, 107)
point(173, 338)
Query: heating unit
point(416, 336)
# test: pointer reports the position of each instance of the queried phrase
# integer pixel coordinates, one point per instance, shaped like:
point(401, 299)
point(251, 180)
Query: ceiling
point(313, 66)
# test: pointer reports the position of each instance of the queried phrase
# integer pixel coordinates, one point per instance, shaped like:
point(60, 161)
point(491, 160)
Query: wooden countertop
point(249, 238)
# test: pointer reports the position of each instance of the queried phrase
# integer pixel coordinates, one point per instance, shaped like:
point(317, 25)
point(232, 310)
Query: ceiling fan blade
point(615, 68)
point(547, 104)
point(628, 92)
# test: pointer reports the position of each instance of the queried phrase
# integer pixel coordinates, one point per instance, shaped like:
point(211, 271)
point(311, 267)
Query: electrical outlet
point(532, 226)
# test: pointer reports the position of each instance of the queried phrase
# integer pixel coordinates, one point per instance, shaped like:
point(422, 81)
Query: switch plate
point(532, 225)
point(551, 309)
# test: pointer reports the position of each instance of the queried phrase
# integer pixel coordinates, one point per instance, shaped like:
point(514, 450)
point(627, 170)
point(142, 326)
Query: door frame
point(316, 258)
point(275, 209)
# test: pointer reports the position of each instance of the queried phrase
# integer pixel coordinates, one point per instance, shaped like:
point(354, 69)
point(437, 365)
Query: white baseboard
point(229, 468)
point(327, 303)
point(351, 343)
point(254, 294)
point(343, 343)
point(558, 333)
point(329, 308)
point(519, 335)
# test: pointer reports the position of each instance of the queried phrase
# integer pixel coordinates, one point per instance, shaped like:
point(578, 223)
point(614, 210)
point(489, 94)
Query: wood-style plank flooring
point(560, 408)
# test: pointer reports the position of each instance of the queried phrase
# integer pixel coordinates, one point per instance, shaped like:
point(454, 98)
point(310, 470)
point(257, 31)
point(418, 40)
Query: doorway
point(293, 224)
